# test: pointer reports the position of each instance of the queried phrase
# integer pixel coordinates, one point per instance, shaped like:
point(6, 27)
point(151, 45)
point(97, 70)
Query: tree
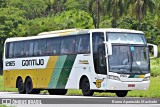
point(116, 9)
point(58, 6)
point(96, 8)
point(11, 21)
point(140, 8)
point(3, 3)
point(73, 19)
point(33, 8)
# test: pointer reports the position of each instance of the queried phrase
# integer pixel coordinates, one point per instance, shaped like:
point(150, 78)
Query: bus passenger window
point(18, 49)
point(53, 46)
point(28, 48)
point(68, 45)
point(11, 49)
point(83, 44)
point(40, 47)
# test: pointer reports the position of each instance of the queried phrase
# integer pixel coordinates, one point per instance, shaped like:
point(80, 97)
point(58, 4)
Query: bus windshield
point(129, 59)
point(126, 38)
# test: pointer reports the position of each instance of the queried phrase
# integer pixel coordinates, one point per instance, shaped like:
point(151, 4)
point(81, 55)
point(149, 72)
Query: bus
point(93, 60)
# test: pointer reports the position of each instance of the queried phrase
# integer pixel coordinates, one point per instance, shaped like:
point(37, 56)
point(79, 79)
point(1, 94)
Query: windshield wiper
point(137, 65)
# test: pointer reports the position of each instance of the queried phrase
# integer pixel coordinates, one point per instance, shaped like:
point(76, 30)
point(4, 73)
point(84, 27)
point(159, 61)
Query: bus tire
point(121, 93)
point(29, 87)
point(86, 87)
point(57, 91)
point(21, 86)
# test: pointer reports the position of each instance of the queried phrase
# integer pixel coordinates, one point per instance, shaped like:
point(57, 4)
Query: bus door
point(102, 68)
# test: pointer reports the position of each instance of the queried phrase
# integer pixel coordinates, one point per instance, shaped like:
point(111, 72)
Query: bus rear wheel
point(121, 93)
point(21, 86)
point(85, 85)
point(57, 91)
point(29, 87)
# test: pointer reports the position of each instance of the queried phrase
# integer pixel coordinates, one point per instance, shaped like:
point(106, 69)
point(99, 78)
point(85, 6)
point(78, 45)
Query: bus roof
point(66, 32)
point(116, 30)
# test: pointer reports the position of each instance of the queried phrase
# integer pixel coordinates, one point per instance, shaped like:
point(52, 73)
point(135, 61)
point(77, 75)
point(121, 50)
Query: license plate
point(131, 85)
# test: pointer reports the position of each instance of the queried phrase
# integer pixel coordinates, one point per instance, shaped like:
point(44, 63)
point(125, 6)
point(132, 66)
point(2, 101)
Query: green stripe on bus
point(57, 70)
point(134, 76)
point(131, 76)
point(66, 71)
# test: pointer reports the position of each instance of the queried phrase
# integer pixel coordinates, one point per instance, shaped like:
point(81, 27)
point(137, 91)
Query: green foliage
point(74, 19)
point(5, 106)
point(140, 7)
point(75, 5)
point(155, 67)
point(29, 17)
point(3, 3)
point(41, 25)
point(63, 20)
point(11, 22)
point(106, 23)
point(116, 9)
point(32, 8)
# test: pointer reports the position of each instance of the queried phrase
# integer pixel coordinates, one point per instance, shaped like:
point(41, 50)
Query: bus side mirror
point(109, 47)
point(154, 48)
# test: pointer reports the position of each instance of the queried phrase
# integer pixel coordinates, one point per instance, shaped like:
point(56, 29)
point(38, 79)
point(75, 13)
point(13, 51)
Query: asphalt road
point(14, 98)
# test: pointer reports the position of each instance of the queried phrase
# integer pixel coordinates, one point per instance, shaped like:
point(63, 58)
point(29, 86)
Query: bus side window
point(68, 45)
point(11, 50)
point(18, 49)
point(40, 47)
point(28, 48)
point(35, 49)
point(7, 50)
point(97, 40)
point(83, 44)
point(53, 46)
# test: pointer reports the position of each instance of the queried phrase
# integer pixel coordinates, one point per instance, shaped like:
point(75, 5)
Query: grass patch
point(5, 106)
point(155, 67)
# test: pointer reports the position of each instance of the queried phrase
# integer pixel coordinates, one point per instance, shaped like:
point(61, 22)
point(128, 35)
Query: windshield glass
point(129, 59)
point(126, 38)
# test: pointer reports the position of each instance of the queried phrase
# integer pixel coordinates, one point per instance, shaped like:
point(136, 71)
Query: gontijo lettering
point(33, 62)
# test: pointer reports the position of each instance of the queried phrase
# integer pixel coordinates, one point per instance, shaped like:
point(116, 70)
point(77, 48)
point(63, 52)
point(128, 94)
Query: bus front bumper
point(119, 85)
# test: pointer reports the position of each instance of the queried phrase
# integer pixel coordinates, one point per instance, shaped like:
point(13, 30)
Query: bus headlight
point(146, 78)
point(113, 77)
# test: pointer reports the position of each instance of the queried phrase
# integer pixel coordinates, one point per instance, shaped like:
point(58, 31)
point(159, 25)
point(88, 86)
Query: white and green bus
point(94, 60)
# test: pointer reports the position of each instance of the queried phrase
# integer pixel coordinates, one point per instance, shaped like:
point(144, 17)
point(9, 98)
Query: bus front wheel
point(85, 85)
point(121, 93)
point(29, 87)
point(21, 86)
point(57, 91)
